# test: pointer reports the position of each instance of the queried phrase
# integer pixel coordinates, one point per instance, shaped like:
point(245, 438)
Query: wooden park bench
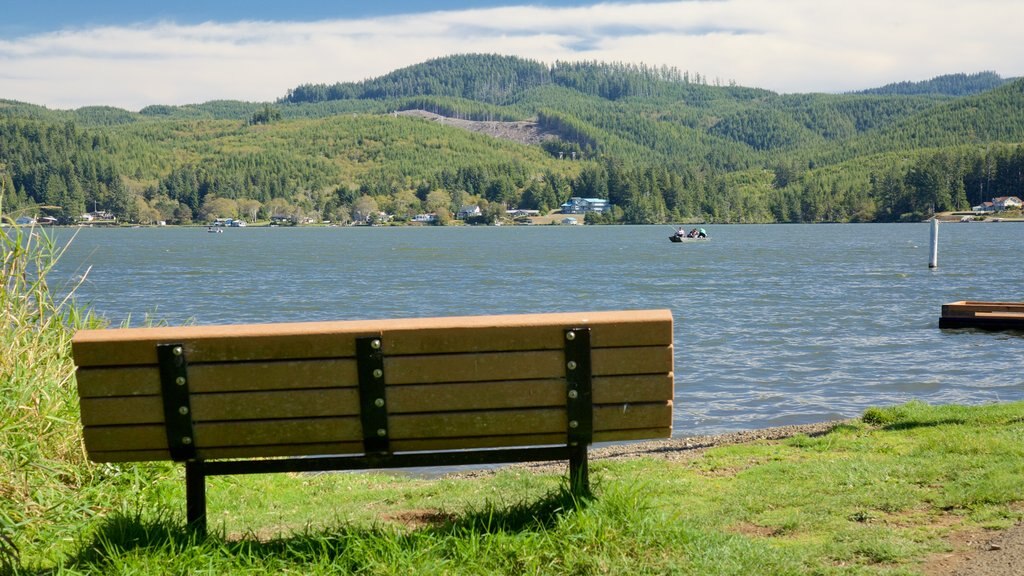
point(294, 397)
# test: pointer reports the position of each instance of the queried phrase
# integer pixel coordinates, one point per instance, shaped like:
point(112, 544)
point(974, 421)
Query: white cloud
point(787, 46)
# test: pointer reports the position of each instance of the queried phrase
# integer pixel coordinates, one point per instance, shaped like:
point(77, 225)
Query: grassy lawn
point(875, 497)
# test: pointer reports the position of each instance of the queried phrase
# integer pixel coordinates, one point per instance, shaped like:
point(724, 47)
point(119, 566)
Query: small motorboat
point(694, 235)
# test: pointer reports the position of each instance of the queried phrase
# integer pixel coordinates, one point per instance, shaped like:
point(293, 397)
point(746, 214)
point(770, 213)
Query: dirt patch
point(755, 531)
point(524, 132)
point(416, 519)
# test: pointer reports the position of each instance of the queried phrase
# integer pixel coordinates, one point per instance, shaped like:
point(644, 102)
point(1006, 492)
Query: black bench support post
point(195, 496)
point(579, 407)
point(373, 410)
point(174, 388)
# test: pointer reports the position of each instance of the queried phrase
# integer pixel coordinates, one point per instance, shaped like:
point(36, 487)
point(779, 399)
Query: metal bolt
point(377, 373)
point(570, 335)
point(183, 410)
point(571, 365)
point(574, 424)
point(375, 344)
point(379, 402)
point(177, 351)
point(180, 380)
point(186, 440)
point(573, 394)
point(382, 432)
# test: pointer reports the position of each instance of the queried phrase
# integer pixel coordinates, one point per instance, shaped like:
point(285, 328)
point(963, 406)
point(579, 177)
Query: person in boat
point(692, 234)
point(681, 232)
point(702, 234)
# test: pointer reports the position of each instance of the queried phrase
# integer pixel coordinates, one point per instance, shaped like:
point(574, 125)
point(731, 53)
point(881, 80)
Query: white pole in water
point(933, 262)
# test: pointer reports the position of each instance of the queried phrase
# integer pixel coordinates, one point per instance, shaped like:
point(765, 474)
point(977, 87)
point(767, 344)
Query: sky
point(66, 54)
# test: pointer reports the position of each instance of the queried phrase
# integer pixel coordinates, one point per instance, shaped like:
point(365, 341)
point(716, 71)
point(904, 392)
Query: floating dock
point(988, 315)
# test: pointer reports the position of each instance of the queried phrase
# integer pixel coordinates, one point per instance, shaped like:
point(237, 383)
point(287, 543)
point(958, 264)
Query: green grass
point(876, 496)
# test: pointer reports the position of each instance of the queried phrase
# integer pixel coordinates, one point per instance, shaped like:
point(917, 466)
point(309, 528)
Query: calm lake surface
point(775, 325)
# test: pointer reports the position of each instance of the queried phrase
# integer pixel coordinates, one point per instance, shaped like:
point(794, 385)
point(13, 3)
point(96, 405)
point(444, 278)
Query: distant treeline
point(660, 144)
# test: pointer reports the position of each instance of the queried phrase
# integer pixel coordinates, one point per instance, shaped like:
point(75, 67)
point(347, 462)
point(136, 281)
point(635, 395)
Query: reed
point(42, 462)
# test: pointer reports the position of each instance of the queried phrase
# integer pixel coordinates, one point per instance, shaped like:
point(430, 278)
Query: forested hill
point(659, 143)
point(947, 85)
point(501, 80)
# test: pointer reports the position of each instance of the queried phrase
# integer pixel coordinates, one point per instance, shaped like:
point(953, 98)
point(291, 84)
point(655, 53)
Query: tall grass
point(41, 464)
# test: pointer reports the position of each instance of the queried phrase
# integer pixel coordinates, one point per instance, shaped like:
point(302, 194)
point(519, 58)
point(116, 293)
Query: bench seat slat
point(285, 341)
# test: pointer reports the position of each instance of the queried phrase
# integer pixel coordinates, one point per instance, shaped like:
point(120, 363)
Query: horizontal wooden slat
point(633, 388)
point(128, 381)
point(354, 448)
point(428, 398)
point(402, 426)
point(521, 365)
point(123, 438)
point(284, 341)
point(621, 361)
point(526, 331)
point(225, 406)
point(401, 370)
point(220, 377)
point(333, 448)
point(260, 432)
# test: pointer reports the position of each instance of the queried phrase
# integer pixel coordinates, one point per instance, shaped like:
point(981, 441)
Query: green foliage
point(683, 148)
point(947, 85)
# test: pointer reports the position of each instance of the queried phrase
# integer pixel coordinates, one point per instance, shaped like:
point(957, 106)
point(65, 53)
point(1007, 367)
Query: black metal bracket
point(580, 398)
point(579, 406)
point(174, 388)
point(373, 410)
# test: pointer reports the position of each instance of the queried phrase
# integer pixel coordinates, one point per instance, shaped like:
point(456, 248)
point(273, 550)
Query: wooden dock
point(987, 315)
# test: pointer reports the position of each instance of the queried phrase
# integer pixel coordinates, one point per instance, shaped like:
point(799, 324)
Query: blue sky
point(67, 54)
point(21, 17)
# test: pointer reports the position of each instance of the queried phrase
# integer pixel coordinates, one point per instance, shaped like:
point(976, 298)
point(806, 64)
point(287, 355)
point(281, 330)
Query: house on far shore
point(577, 205)
point(999, 204)
point(1006, 203)
point(469, 212)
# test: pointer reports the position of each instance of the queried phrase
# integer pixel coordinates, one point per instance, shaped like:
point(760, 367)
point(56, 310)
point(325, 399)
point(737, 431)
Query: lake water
point(779, 324)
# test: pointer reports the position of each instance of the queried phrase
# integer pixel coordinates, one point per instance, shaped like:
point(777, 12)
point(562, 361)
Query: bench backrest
point(449, 383)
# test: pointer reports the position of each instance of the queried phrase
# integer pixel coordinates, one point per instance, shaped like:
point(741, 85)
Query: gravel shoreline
point(675, 449)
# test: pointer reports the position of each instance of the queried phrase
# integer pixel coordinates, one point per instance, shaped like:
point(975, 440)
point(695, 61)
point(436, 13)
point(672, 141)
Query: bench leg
point(195, 497)
point(579, 478)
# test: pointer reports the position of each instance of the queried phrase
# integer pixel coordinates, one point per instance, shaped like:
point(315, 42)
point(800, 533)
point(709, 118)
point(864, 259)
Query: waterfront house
point(577, 205)
point(1006, 203)
point(469, 212)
